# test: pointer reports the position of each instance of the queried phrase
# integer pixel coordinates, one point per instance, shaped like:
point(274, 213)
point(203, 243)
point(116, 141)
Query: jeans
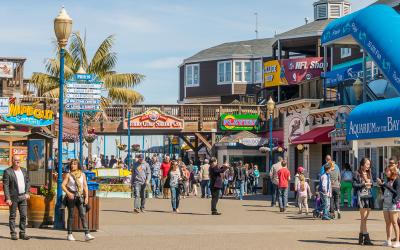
point(240, 185)
point(20, 204)
point(82, 214)
point(325, 204)
point(205, 188)
point(175, 197)
point(224, 188)
point(255, 185)
point(214, 200)
point(283, 197)
point(335, 200)
point(275, 194)
point(139, 195)
point(155, 185)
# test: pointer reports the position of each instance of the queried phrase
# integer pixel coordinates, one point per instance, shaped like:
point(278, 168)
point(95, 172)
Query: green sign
point(239, 122)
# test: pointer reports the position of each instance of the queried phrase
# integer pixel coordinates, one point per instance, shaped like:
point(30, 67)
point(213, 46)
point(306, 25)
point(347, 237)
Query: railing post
point(240, 109)
point(201, 117)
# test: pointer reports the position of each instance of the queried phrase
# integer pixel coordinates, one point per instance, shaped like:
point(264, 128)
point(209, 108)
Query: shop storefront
point(341, 147)
point(374, 131)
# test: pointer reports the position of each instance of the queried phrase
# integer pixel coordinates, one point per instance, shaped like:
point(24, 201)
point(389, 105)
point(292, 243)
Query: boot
point(360, 239)
point(367, 240)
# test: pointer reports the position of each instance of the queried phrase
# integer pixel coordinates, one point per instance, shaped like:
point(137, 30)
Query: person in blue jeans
point(155, 176)
point(205, 180)
point(283, 185)
point(325, 190)
point(175, 178)
point(240, 177)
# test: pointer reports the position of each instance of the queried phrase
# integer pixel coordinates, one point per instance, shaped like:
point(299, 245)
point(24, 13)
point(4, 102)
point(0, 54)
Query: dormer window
point(330, 9)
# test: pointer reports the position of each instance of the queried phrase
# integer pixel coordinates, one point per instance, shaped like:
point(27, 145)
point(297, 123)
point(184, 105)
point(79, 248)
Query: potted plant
point(135, 147)
point(89, 138)
point(121, 147)
point(41, 207)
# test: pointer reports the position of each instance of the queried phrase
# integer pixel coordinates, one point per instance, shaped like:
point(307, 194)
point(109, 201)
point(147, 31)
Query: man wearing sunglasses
point(16, 191)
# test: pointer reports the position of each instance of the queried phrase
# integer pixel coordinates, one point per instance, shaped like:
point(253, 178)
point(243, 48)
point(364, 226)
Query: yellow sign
point(273, 75)
point(28, 115)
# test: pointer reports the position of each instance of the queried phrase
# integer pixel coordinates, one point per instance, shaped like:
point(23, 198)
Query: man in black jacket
point(16, 191)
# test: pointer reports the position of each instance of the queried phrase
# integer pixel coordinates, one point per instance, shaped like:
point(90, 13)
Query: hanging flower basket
point(135, 147)
point(70, 138)
point(89, 138)
point(121, 147)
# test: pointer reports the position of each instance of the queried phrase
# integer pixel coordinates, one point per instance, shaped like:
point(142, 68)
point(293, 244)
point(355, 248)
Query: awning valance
point(378, 119)
point(316, 135)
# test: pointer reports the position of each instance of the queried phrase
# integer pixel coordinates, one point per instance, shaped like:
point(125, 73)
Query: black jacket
point(10, 183)
point(394, 189)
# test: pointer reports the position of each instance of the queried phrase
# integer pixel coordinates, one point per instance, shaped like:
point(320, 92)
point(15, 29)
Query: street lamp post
point(62, 30)
point(129, 139)
point(270, 110)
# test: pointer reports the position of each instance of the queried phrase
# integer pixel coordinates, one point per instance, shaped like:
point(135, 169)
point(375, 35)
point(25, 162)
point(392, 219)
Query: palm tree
point(118, 85)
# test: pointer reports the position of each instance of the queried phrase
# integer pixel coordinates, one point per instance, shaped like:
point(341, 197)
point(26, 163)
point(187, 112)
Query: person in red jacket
point(283, 185)
point(165, 166)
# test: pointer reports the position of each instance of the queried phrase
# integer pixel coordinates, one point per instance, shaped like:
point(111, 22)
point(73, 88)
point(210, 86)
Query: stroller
point(317, 212)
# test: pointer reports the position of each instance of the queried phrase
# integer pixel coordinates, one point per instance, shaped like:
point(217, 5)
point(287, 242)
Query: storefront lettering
point(239, 122)
point(393, 125)
point(16, 110)
point(372, 127)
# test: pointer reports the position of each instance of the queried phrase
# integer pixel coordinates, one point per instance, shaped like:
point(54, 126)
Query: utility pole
point(256, 14)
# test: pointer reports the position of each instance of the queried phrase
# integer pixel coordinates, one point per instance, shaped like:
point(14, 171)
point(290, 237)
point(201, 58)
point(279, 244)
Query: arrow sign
point(83, 96)
point(85, 77)
point(83, 101)
point(84, 91)
point(96, 85)
point(82, 107)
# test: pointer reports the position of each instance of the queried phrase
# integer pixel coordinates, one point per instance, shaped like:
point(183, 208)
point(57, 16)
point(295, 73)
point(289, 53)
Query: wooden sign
point(154, 119)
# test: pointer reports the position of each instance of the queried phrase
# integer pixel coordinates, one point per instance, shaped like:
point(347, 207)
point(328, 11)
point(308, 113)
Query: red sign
point(154, 119)
point(302, 69)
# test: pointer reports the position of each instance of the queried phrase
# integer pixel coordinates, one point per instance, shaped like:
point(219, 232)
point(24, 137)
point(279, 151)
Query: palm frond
point(77, 49)
point(44, 82)
point(125, 95)
point(103, 66)
point(53, 68)
point(103, 50)
point(122, 80)
point(54, 93)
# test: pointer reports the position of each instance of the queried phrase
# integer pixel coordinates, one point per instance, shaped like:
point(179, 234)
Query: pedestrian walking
point(155, 176)
point(185, 180)
point(300, 171)
point(16, 191)
point(283, 185)
point(195, 179)
point(216, 183)
point(205, 179)
point(273, 174)
point(141, 176)
point(335, 181)
point(304, 193)
point(240, 180)
point(77, 195)
point(325, 190)
point(391, 204)
point(256, 174)
point(346, 185)
point(165, 166)
point(174, 181)
point(362, 184)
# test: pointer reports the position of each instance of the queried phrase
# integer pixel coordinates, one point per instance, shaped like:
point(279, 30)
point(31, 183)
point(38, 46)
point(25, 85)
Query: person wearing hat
point(141, 177)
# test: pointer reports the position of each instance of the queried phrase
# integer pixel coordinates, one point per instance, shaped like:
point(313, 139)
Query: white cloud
point(164, 63)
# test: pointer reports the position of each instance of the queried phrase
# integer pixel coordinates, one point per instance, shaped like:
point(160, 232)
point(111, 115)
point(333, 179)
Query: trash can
point(267, 185)
point(92, 216)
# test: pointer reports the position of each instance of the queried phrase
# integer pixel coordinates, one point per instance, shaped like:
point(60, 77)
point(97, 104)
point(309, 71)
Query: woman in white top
point(76, 189)
point(175, 179)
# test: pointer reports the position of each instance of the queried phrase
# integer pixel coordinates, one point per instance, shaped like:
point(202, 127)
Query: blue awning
point(376, 30)
point(378, 119)
point(333, 78)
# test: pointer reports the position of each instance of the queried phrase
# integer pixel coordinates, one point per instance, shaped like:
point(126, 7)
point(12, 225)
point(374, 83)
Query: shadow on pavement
point(328, 242)
point(47, 238)
point(377, 242)
point(170, 212)
point(254, 205)
point(256, 210)
point(300, 218)
point(118, 211)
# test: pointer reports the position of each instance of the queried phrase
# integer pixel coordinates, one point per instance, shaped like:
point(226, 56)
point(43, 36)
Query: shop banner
point(333, 78)
point(30, 116)
point(154, 119)
point(36, 154)
point(302, 69)
point(273, 76)
point(6, 70)
point(239, 122)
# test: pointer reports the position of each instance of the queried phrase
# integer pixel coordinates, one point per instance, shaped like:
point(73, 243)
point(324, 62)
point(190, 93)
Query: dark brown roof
point(311, 29)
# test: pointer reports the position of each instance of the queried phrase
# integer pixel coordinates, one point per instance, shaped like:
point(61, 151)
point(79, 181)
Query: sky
point(152, 37)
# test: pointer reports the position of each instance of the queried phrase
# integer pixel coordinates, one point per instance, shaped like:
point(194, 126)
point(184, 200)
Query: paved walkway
point(248, 224)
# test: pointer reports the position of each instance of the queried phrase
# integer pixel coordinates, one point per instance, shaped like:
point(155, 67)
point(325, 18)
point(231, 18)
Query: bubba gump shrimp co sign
point(154, 119)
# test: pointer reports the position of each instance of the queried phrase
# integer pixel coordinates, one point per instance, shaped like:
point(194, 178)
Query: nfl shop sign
point(239, 122)
point(154, 119)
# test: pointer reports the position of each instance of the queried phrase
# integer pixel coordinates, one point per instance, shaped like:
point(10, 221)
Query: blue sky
point(152, 37)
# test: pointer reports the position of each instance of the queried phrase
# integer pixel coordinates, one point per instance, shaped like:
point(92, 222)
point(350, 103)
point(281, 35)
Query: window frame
point(224, 63)
point(343, 54)
point(261, 68)
point(192, 66)
point(243, 71)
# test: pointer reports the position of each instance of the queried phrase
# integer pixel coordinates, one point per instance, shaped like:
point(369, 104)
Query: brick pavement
point(248, 224)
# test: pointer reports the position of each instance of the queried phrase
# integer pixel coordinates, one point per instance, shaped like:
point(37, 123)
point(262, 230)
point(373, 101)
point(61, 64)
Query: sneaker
point(215, 213)
point(339, 215)
point(136, 211)
point(177, 211)
point(89, 237)
point(14, 237)
point(24, 237)
point(387, 243)
point(142, 210)
point(70, 237)
point(396, 245)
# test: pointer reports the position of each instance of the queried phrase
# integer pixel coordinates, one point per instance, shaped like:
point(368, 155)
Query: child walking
point(304, 193)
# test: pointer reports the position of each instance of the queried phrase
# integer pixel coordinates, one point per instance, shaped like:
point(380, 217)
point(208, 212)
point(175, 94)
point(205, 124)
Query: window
point(225, 72)
point(192, 75)
point(258, 71)
point(334, 11)
point(321, 11)
point(243, 71)
point(345, 52)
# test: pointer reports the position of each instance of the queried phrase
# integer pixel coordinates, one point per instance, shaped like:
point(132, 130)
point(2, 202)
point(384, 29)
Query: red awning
point(317, 135)
point(277, 134)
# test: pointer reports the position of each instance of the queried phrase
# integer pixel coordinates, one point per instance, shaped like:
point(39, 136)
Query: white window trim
point(186, 69)
point(243, 72)
point(343, 55)
point(254, 70)
point(224, 82)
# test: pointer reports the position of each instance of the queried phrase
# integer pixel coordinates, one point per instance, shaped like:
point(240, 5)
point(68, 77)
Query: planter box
point(40, 211)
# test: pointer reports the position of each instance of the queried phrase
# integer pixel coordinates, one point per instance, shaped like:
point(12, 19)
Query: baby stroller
point(317, 212)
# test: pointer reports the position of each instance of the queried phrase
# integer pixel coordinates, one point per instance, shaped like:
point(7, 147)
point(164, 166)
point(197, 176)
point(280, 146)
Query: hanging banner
point(30, 116)
point(154, 119)
point(273, 75)
point(302, 69)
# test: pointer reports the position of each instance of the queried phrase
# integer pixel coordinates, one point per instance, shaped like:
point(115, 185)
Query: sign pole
point(81, 137)
point(129, 139)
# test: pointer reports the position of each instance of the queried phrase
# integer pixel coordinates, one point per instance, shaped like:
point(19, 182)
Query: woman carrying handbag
point(75, 186)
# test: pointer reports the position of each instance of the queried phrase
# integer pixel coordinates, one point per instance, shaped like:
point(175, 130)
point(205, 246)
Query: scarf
point(76, 175)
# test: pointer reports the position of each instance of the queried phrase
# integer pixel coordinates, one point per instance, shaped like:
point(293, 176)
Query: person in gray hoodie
point(141, 177)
